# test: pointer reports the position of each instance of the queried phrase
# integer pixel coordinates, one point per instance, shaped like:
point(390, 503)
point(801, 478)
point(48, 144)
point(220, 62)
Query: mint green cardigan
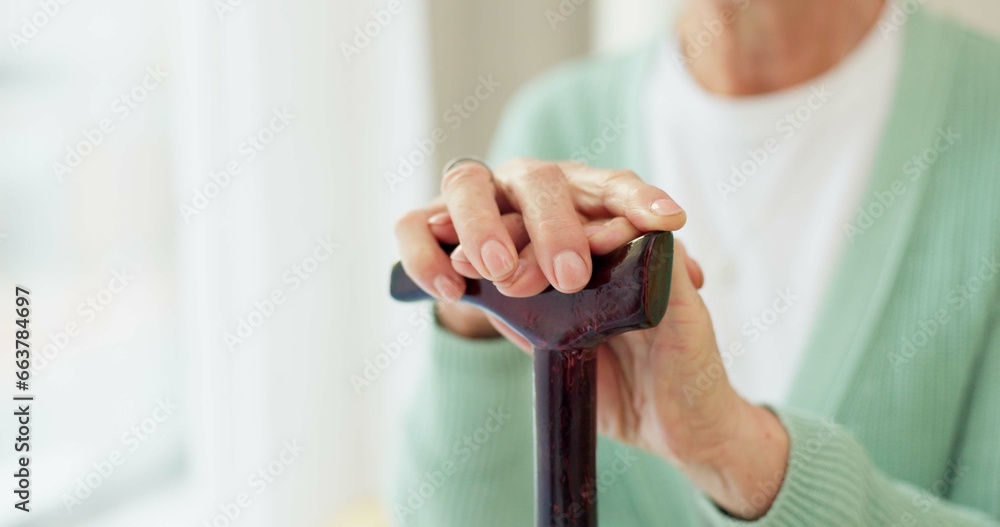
point(894, 417)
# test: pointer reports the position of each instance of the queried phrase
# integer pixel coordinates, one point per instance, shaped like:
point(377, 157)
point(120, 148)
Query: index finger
point(470, 194)
point(544, 197)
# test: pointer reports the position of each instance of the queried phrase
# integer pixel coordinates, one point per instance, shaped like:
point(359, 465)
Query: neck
point(760, 46)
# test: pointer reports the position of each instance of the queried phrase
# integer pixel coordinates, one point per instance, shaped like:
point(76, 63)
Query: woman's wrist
point(745, 475)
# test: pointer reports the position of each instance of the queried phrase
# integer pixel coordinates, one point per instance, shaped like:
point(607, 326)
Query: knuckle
point(465, 174)
point(425, 256)
point(543, 170)
point(574, 164)
point(558, 226)
point(621, 184)
point(400, 226)
point(542, 186)
point(421, 263)
point(408, 219)
point(475, 221)
point(622, 176)
point(520, 161)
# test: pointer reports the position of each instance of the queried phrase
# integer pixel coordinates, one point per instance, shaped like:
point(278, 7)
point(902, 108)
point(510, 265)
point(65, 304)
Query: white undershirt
point(768, 244)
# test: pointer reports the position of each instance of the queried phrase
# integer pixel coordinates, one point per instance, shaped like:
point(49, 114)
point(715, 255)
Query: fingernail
point(448, 288)
point(497, 259)
point(571, 272)
point(665, 207)
point(459, 255)
point(441, 218)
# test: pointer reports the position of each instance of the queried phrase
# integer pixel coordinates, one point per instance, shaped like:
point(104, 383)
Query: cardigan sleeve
point(830, 479)
point(464, 456)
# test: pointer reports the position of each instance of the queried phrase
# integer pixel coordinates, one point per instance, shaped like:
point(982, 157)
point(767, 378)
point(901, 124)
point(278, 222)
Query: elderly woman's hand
point(567, 210)
point(534, 224)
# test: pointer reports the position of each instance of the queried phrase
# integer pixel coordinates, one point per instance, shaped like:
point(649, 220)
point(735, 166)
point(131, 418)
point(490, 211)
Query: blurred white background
point(196, 194)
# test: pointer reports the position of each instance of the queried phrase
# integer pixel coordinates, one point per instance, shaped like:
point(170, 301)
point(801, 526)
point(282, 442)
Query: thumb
point(686, 324)
point(695, 272)
point(683, 287)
